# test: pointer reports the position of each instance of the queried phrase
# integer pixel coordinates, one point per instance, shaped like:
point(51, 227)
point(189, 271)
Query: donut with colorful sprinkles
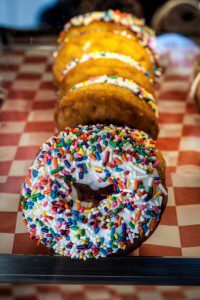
point(94, 191)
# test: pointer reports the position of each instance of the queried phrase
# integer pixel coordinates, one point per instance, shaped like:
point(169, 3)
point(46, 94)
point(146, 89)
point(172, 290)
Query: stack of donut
point(97, 188)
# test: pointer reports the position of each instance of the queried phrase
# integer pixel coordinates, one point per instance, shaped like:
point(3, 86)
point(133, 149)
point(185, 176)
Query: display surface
point(27, 121)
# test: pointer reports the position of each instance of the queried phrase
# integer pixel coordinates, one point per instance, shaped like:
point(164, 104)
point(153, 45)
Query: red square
point(44, 104)
point(9, 139)
point(5, 167)
point(168, 144)
point(190, 236)
point(8, 221)
point(193, 130)
point(189, 158)
point(165, 118)
point(13, 115)
point(186, 196)
point(27, 152)
point(158, 250)
point(40, 126)
point(12, 185)
point(169, 216)
point(23, 244)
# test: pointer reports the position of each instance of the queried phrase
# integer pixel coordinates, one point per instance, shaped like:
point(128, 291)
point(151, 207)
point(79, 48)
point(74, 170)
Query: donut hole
point(86, 194)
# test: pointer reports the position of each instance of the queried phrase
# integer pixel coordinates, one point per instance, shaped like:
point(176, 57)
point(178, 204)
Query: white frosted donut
point(100, 157)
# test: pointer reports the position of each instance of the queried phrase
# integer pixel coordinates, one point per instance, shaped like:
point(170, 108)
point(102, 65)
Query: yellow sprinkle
point(69, 196)
point(103, 218)
point(33, 192)
point(116, 235)
point(87, 211)
point(76, 200)
point(98, 240)
point(157, 194)
point(120, 198)
point(128, 183)
point(97, 169)
point(88, 165)
point(82, 152)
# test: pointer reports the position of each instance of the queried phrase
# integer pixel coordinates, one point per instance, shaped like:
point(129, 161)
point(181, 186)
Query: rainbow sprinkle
point(98, 156)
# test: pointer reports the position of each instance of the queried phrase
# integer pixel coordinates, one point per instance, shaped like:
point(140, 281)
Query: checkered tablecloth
point(97, 292)
point(27, 121)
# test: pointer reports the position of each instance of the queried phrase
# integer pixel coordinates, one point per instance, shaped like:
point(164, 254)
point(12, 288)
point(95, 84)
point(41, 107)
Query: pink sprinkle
point(59, 224)
point(156, 163)
point(129, 159)
point(118, 201)
point(65, 172)
point(99, 139)
point(100, 179)
point(45, 204)
point(75, 143)
point(67, 193)
point(158, 181)
point(32, 229)
point(113, 204)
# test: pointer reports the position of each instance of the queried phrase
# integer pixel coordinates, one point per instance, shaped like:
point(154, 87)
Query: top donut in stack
point(105, 70)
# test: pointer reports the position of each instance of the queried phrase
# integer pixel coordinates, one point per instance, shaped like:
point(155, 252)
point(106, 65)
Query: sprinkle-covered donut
point(97, 158)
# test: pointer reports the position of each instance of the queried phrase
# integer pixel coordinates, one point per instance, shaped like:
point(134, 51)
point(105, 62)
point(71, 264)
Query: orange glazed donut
point(95, 64)
point(100, 41)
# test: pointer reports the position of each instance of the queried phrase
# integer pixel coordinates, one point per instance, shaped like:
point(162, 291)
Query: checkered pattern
point(96, 292)
point(27, 121)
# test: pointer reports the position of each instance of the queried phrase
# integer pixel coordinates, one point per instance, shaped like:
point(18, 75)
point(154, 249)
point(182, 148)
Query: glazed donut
point(95, 64)
point(124, 174)
point(108, 99)
point(100, 41)
point(115, 22)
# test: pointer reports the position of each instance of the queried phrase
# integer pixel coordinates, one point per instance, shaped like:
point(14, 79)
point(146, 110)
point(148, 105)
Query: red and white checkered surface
point(27, 122)
point(96, 292)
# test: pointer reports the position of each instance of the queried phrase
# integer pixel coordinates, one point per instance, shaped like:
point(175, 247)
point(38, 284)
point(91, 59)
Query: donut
point(113, 21)
point(124, 178)
point(108, 99)
point(98, 63)
point(100, 41)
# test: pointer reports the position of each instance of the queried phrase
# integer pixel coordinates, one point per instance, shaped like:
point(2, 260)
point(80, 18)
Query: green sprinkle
point(112, 144)
point(74, 227)
point(82, 232)
point(90, 255)
point(40, 223)
point(131, 225)
point(52, 244)
point(61, 144)
point(57, 170)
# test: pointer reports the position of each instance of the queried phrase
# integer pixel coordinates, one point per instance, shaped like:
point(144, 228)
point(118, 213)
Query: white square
point(7, 153)
point(20, 167)
point(41, 115)
point(12, 126)
point(6, 244)
point(20, 226)
point(9, 202)
point(34, 138)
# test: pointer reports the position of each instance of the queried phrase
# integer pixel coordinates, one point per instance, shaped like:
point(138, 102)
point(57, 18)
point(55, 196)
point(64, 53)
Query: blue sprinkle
point(96, 230)
point(44, 229)
point(67, 163)
point(89, 245)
